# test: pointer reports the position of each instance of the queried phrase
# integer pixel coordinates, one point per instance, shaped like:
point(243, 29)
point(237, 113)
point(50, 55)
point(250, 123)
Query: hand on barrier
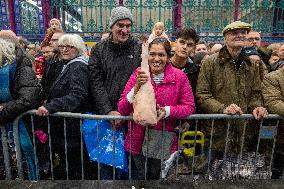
point(259, 113)
point(115, 123)
point(185, 127)
point(233, 109)
point(42, 111)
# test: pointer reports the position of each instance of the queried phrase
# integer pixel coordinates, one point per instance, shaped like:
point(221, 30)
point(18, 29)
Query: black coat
point(52, 70)
point(70, 89)
point(25, 90)
point(110, 67)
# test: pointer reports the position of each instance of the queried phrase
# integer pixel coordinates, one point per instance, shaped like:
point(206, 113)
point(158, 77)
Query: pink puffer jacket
point(174, 91)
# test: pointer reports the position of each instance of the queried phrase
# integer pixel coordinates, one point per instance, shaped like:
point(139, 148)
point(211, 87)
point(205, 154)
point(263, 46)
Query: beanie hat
point(119, 13)
point(277, 65)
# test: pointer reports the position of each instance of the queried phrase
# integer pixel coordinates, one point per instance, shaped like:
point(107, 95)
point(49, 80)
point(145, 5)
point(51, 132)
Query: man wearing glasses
point(254, 40)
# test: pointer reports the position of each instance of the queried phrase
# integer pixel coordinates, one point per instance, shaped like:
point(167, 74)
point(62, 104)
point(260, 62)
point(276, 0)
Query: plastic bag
point(99, 133)
point(144, 104)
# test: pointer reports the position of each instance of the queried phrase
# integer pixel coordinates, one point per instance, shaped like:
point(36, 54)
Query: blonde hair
point(7, 52)
point(73, 40)
point(159, 24)
point(56, 20)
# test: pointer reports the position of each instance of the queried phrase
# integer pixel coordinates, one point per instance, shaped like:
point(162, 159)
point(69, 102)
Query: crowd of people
point(237, 77)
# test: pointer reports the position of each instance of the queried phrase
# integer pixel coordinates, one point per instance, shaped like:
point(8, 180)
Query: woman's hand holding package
point(161, 112)
point(142, 78)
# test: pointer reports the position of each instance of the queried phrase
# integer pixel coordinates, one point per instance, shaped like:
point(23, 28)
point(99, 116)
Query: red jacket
point(174, 91)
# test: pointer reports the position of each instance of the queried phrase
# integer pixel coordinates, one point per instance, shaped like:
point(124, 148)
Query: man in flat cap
point(111, 63)
point(229, 83)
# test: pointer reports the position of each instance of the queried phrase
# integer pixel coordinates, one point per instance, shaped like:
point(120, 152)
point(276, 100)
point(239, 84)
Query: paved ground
point(248, 184)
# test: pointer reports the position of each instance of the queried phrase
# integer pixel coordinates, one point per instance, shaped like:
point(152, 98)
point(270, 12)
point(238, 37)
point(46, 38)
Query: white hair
point(73, 40)
point(7, 52)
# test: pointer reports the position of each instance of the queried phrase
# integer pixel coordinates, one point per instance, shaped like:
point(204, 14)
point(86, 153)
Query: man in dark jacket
point(53, 66)
point(186, 40)
point(254, 40)
point(111, 63)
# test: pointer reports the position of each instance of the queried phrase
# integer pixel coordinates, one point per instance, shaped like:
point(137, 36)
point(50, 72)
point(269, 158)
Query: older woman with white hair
point(68, 94)
point(71, 86)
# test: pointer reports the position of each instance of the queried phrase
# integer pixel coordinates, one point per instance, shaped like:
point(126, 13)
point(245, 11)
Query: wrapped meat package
point(145, 112)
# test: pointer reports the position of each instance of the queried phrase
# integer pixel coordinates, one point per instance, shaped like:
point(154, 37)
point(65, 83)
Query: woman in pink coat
point(174, 101)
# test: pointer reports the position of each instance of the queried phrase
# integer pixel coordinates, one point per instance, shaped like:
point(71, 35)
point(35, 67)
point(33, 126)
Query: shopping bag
point(101, 139)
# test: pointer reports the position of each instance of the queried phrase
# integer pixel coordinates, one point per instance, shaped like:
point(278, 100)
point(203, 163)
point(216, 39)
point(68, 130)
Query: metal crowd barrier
point(265, 132)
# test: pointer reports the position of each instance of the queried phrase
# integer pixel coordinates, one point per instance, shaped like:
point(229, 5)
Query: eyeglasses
point(67, 47)
point(253, 39)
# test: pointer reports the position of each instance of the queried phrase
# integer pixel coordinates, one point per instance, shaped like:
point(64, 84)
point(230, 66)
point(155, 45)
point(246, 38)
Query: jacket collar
point(121, 46)
point(224, 56)
point(169, 76)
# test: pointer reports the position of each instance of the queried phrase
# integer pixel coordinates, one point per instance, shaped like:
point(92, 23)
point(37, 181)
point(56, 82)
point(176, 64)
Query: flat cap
point(236, 25)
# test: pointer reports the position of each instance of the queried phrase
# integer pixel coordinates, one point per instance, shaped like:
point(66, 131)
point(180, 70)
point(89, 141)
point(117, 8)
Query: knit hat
point(277, 65)
point(119, 13)
point(236, 25)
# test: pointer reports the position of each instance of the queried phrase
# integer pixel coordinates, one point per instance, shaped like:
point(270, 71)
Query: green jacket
point(221, 84)
point(273, 92)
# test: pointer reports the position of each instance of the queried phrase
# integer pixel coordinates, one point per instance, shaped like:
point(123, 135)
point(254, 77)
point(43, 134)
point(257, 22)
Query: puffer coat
point(174, 91)
point(25, 90)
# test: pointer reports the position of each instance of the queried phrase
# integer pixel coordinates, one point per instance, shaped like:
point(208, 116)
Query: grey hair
point(73, 40)
point(7, 52)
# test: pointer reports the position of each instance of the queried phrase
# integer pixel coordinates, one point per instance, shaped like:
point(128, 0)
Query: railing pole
point(18, 148)
point(6, 153)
